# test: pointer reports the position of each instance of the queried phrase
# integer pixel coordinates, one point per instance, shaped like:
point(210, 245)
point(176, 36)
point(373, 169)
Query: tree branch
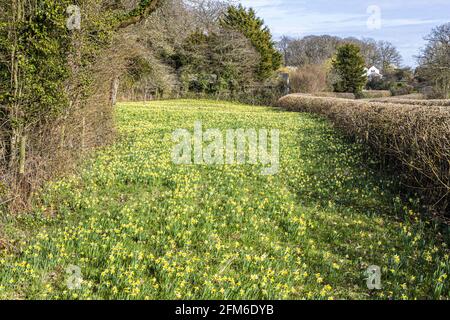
point(143, 10)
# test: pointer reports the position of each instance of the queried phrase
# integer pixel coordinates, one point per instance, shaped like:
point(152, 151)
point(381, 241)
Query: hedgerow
point(55, 86)
point(342, 95)
point(376, 94)
point(428, 103)
point(412, 140)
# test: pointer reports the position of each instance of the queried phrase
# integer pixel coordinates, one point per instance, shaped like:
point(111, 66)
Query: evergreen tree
point(216, 62)
point(245, 21)
point(349, 66)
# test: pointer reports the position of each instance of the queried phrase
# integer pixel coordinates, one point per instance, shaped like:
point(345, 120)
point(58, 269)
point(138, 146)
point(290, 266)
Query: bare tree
point(370, 52)
point(311, 50)
point(434, 60)
point(208, 12)
point(318, 49)
point(390, 58)
point(283, 46)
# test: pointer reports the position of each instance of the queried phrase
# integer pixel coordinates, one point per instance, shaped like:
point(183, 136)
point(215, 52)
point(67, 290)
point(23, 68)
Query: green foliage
point(141, 11)
point(236, 59)
point(215, 62)
point(400, 88)
point(44, 47)
point(349, 66)
point(245, 21)
point(4, 49)
point(48, 75)
point(398, 81)
point(41, 43)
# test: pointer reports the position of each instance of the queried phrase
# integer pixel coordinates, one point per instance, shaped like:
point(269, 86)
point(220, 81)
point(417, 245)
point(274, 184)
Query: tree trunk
point(14, 106)
point(12, 149)
point(114, 89)
point(23, 153)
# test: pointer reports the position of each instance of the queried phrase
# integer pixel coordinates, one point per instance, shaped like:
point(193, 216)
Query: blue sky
point(404, 23)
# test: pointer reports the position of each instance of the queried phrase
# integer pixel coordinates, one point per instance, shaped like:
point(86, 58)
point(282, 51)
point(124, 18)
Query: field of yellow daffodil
point(140, 227)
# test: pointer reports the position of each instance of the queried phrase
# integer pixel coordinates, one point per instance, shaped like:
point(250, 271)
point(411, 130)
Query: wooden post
point(22, 156)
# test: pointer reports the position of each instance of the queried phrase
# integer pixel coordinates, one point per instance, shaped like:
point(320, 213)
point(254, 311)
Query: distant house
point(373, 72)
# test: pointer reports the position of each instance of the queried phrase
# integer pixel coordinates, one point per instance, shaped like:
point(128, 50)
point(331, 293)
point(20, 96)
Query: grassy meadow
point(140, 227)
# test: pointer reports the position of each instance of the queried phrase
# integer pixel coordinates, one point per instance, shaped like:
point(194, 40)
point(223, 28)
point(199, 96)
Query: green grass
point(140, 227)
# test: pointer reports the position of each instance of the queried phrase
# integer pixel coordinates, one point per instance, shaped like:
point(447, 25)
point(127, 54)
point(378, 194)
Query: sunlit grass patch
point(140, 227)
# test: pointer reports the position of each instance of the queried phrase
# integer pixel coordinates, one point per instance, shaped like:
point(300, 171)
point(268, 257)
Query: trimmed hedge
point(413, 140)
point(375, 94)
point(342, 95)
point(427, 103)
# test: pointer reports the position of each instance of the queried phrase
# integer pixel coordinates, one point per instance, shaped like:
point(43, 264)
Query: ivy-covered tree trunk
point(46, 72)
point(15, 125)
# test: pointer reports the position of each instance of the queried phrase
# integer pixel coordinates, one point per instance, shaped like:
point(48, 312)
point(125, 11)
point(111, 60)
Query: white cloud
point(403, 23)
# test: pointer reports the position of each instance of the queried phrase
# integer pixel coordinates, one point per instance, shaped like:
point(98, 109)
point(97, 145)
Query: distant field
point(140, 227)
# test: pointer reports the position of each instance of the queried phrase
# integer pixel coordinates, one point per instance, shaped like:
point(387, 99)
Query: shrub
point(401, 89)
point(55, 87)
point(308, 79)
point(377, 83)
point(413, 140)
point(427, 103)
point(431, 93)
